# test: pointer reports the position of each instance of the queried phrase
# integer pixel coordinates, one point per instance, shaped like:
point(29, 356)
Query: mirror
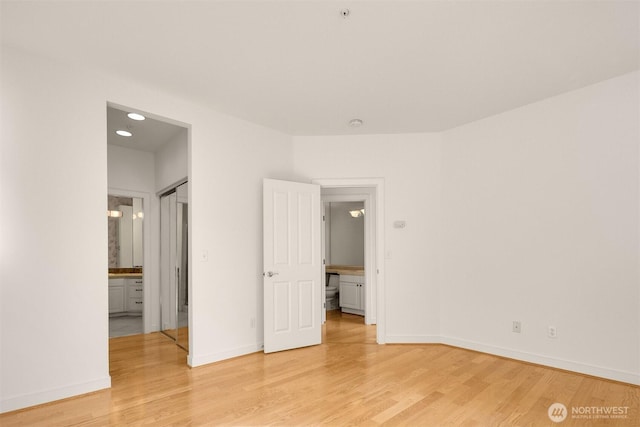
point(125, 231)
point(174, 275)
point(182, 256)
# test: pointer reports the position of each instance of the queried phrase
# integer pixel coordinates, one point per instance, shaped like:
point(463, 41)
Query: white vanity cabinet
point(125, 296)
point(134, 295)
point(117, 292)
point(352, 291)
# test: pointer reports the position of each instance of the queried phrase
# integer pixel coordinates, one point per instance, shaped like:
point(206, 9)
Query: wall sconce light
point(357, 213)
point(114, 214)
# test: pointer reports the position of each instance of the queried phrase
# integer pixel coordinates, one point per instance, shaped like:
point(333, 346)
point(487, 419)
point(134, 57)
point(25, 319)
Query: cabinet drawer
point(350, 278)
point(135, 291)
point(117, 282)
point(135, 304)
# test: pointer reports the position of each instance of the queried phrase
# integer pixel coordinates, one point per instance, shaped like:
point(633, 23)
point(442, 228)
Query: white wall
point(346, 234)
point(172, 162)
point(130, 169)
point(410, 166)
point(54, 327)
point(531, 215)
point(540, 215)
point(54, 238)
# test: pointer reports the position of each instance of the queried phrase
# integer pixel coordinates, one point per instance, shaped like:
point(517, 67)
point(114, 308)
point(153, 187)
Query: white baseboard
point(413, 339)
point(200, 360)
point(31, 399)
point(583, 368)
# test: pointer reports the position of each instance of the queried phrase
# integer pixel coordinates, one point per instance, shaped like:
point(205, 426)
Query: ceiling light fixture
point(355, 123)
point(124, 133)
point(357, 213)
point(114, 214)
point(136, 116)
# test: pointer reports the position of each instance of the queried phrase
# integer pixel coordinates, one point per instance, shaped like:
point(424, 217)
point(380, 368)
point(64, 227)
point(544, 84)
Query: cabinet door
point(361, 296)
point(349, 297)
point(116, 299)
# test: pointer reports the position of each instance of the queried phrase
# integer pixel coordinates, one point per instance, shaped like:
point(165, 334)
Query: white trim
point(583, 368)
point(414, 339)
point(148, 267)
point(377, 184)
point(521, 356)
point(194, 361)
point(31, 399)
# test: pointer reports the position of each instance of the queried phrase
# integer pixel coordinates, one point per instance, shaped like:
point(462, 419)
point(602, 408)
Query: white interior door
point(292, 265)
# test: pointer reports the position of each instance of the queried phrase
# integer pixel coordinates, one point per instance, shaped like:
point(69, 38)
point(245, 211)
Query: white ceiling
point(147, 135)
point(300, 67)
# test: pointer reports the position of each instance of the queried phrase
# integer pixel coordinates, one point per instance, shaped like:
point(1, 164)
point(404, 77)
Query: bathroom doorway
point(126, 264)
point(370, 193)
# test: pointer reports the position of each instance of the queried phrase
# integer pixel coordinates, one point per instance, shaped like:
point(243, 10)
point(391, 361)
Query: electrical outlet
point(517, 326)
point(552, 332)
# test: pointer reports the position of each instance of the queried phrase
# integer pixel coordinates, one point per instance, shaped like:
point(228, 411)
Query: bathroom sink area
point(352, 270)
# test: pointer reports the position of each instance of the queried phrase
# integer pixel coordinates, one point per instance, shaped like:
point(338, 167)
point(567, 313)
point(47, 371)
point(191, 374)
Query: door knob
point(271, 273)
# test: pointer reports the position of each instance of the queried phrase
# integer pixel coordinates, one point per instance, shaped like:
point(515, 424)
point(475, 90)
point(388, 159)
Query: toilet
point(331, 292)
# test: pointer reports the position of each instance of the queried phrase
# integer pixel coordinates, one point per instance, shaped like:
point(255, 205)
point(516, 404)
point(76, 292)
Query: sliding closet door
point(168, 279)
point(174, 261)
point(182, 264)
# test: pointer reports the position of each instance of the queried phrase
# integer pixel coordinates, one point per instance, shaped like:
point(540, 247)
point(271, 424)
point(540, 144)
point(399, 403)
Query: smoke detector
point(355, 123)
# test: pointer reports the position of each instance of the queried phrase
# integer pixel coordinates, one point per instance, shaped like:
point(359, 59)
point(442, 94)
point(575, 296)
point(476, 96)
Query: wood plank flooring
point(348, 380)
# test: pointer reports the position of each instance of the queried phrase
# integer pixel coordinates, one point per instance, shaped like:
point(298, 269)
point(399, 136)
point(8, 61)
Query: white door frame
point(147, 268)
point(374, 271)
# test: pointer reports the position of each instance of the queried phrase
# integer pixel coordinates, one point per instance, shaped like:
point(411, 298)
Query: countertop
point(352, 270)
point(125, 275)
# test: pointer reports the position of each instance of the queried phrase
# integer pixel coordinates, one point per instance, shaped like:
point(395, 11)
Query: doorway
point(126, 248)
point(370, 191)
point(146, 155)
point(293, 262)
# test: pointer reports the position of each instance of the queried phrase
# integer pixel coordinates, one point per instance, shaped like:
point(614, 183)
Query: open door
point(292, 265)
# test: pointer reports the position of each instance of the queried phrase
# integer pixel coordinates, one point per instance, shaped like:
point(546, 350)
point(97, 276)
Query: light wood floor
point(348, 380)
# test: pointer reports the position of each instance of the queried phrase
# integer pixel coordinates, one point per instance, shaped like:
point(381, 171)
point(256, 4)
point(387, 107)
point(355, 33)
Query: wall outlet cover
point(517, 326)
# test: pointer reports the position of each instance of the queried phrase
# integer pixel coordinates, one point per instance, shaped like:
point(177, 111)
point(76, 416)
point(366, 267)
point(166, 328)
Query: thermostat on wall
point(399, 224)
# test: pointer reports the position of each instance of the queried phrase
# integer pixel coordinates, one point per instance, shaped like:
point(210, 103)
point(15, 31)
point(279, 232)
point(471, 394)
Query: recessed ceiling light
point(136, 116)
point(123, 133)
point(355, 123)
